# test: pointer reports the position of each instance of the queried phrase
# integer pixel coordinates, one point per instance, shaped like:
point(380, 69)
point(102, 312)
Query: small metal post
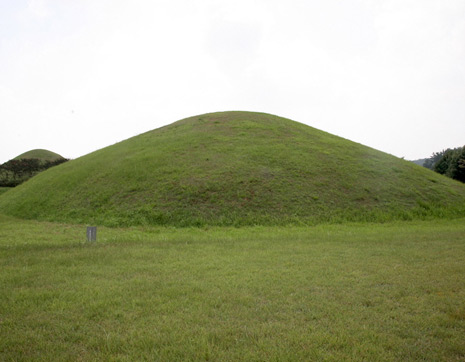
point(92, 233)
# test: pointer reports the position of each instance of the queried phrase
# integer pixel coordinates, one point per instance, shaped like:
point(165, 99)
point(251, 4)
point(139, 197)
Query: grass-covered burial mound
point(235, 168)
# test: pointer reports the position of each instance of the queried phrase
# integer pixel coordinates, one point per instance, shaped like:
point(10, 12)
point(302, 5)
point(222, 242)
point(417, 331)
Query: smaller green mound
point(21, 168)
point(43, 155)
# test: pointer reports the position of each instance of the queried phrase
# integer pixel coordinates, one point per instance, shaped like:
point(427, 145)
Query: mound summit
point(235, 168)
point(41, 154)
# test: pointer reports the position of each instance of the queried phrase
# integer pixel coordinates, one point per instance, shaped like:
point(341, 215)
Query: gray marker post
point(92, 233)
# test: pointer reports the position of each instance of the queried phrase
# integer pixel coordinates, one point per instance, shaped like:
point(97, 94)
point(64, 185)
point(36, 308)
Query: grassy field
point(235, 169)
point(361, 292)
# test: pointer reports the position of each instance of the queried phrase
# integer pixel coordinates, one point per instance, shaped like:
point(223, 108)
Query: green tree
point(459, 171)
point(431, 162)
point(451, 164)
point(15, 172)
point(443, 164)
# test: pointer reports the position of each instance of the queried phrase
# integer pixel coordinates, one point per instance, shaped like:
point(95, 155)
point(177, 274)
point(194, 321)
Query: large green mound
point(235, 168)
point(43, 155)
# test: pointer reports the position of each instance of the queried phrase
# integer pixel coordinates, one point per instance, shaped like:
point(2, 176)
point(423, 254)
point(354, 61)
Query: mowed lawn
point(362, 292)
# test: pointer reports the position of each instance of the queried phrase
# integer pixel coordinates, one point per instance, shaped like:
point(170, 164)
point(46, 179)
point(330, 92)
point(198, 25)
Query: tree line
point(15, 172)
point(450, 162)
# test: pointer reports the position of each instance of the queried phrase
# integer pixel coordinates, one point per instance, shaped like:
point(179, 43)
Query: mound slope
point(235, 168)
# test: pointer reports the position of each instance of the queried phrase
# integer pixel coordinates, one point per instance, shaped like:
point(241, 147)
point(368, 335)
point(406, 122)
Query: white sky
point(79, 75)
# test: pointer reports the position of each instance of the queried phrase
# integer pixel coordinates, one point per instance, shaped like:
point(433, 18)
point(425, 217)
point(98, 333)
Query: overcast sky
point(79, 75)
